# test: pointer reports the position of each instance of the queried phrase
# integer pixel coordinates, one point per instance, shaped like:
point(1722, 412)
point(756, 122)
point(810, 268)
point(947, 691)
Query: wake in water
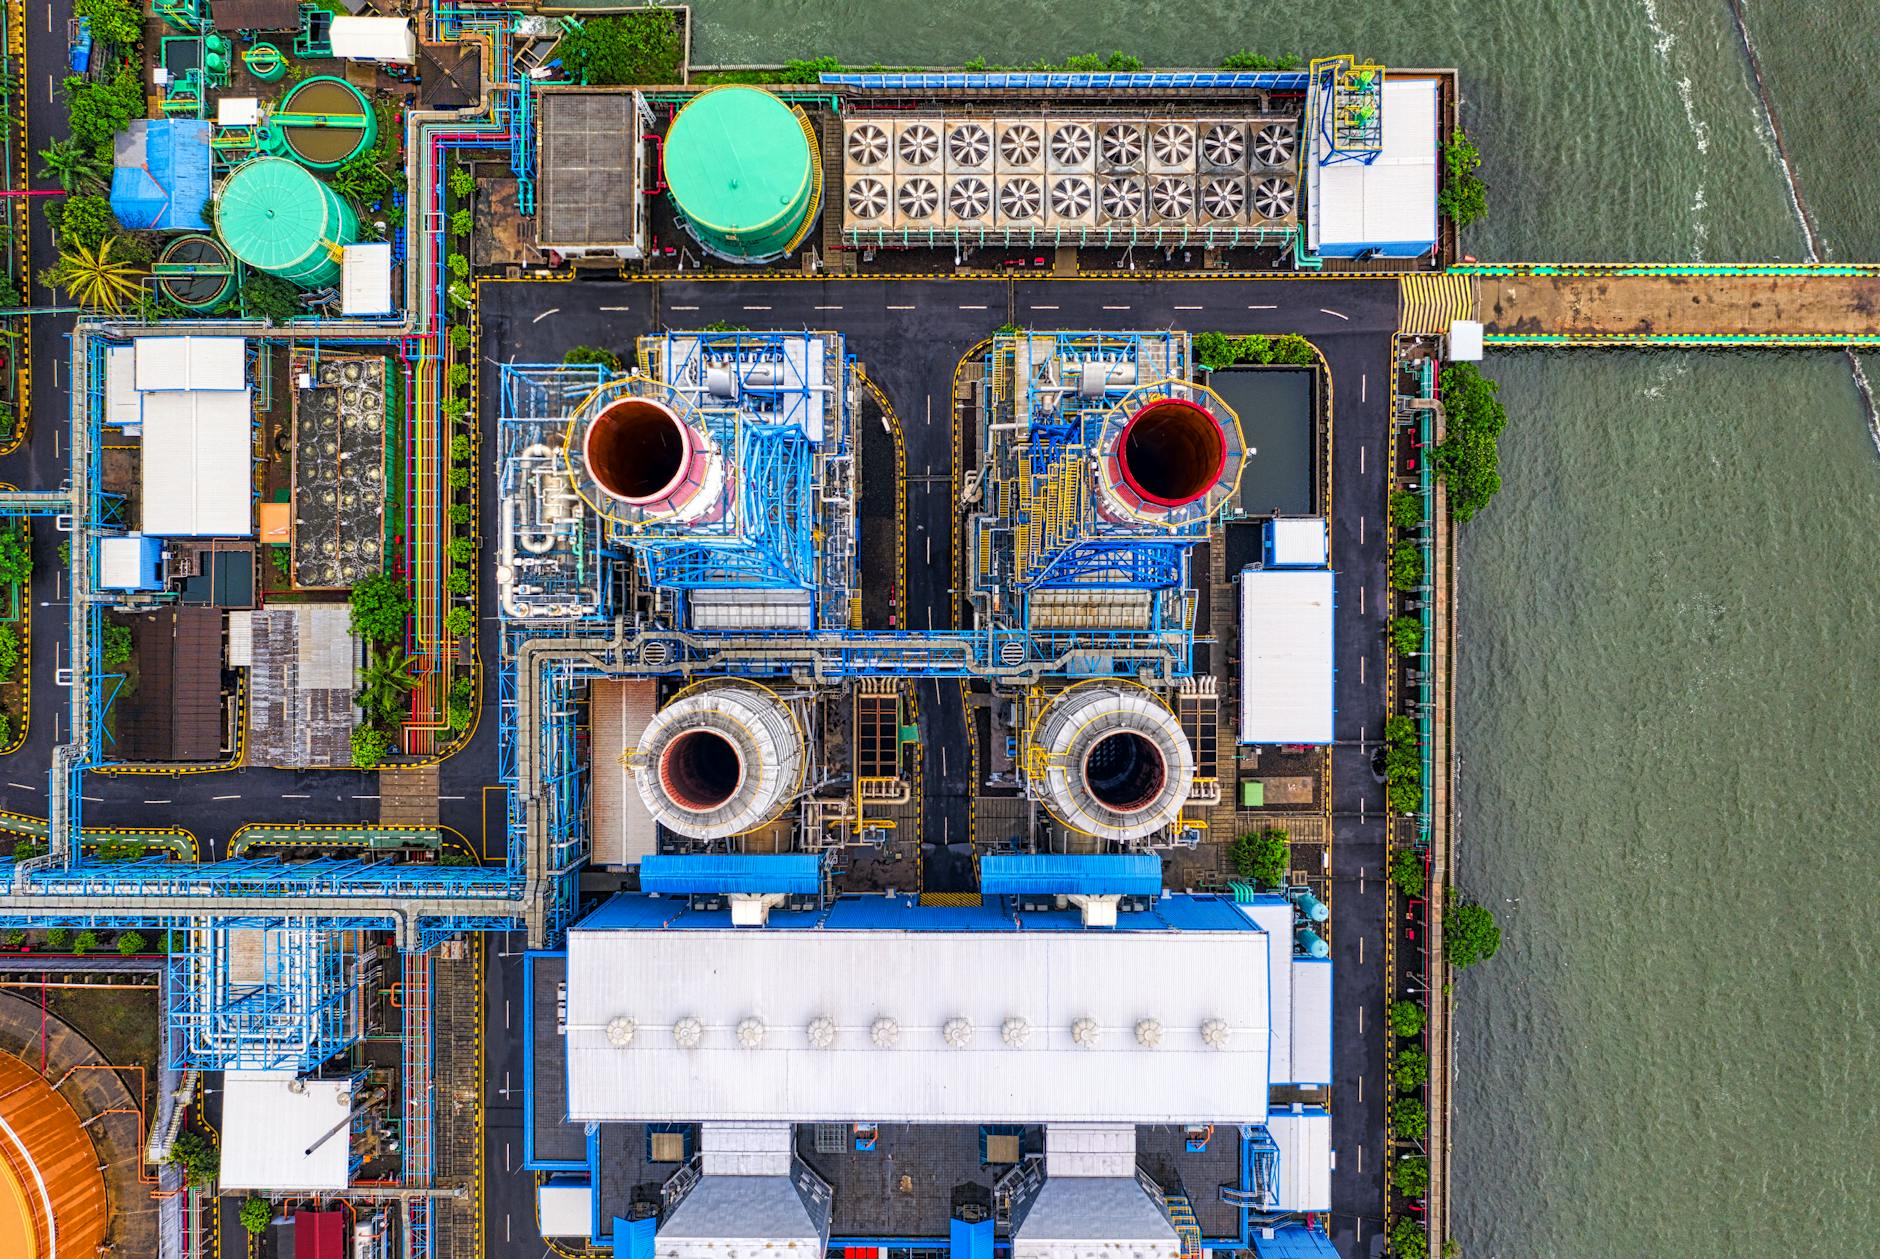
point(1811, 239)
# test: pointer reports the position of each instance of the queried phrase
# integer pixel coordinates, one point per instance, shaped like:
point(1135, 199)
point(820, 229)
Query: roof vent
point(885, 1034)
point(620, 1031)
point(688, 1032)
point(1084, 1033)
point(958, 1033)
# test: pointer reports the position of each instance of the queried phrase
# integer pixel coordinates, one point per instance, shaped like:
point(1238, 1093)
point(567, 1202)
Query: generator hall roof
point(586, 190)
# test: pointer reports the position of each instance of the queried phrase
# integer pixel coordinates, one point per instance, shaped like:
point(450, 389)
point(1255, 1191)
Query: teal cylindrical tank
point(277, 216)
point(265, 62)
point(1308, 942)
point(741, 167)
point(1310, 907)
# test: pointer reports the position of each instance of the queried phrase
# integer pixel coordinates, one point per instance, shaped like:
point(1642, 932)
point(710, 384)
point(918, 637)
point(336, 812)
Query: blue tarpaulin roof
point(1295, 1241)
point(684, 873)
point(162, 175)
point(1120, 874)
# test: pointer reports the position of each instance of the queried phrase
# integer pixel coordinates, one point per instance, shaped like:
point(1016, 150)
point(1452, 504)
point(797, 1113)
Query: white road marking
point(1188, 308)
point(757, 308)
point(1262, 308)
point(505, 1014)
point(24, 787)
point(93, 799)
point(972, 307)
point(1364, 387)
point(826, 308)
point(682, 308)
point(1360, 962)
point(1361, 519)
point(235, 797)
point(1334, 314)
point(900, 308)
point(365, 797)
point(1360, 1020)
point(291, 797)
point(1116, 308)
point(159, 802)
point(1360, 599)
point(1360, 461)
point(1361, 671)
point(618, 309)
point(1044, 308)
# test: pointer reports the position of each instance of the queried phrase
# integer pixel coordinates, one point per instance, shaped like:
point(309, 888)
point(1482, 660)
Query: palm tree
point(94, 278)
point(385, 683)
point(72, 165)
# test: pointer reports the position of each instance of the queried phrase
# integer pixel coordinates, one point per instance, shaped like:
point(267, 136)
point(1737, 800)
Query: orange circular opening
point(636, 449)
point(700, 769)
point(1125, 771)
point(1173, 452)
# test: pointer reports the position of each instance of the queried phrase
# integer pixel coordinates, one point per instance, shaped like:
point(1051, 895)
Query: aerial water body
point(1669, 624)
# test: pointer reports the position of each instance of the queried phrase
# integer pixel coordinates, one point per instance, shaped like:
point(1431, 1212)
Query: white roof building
point(280, 1134)
point(1297, 542)
point(373, 39)
point(1286, 656)
point(1389, 205)
point(1304, 1137)
point(365, 286)
point(191, 363)
point(713, 1023)
point(197, 459)
point(564, 1209)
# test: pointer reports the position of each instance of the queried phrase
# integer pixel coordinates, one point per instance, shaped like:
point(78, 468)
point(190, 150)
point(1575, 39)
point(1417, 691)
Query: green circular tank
point(194, 271)
point(324, 122)
point(741, 168)
point(265, 62)
point(280, 218)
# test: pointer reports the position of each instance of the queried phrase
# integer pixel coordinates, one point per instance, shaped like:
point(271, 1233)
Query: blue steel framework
point(291, 1014)
point(1347, 105)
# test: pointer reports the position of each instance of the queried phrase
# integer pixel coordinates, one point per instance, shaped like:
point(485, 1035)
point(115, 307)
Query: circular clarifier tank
point(1173, 452)
point(325, 122)
point(1125, 771)
point(637, 450)
point(740, 167)
point(194, 271)
point(700, 770)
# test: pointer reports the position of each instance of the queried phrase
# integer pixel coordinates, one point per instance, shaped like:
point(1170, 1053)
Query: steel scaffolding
point(261, 998)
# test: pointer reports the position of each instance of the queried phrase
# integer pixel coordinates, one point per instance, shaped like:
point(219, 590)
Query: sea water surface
point(1670, 680)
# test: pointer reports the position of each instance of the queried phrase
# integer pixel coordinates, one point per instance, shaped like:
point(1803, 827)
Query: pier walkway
point(1632, 305)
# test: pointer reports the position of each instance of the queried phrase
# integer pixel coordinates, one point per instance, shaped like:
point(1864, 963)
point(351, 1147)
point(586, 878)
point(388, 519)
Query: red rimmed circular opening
point(1172, 452)
point(1125, 771)
point(636, 450)
point(700, 770)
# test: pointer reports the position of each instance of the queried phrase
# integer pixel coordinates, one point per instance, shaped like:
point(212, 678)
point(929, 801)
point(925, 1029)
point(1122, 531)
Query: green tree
point(459, 621)
point(270, 297)
point(366, 177)
point(458, 266)
point(104, 277)
point(460, 513)
point(462, 182)
point(369, 746)
point(461, 550)
point(113, 21)
point(1410, 1118)
point(1406, 567)
point(380, 605)
point(1406, 1018)
point(461, 221)
point(1294, 350)
point(1403, 797)
point(643, 47)
point(458, 478)
point(1406, 509)
point(1409, 1239)
point(457, 714)
point(85, 942)
point(810, 70)
point(58, 939)
point(1411, 1176)
point(98, 110)
point(9, 652)
point(1469, 458)
point(725, 325)
point(458, 582)
point(1213, 350)
point(582, 354)
point(130, 944)
point(386, 682)
point(1470, 932)
point(117, 645)
point(1410, 1070)
point(1244, 60)
point(460, 446)
point(197, 1155)
point(1406, 635)
point(73, 166)
point(1406, 872)
point(1264, 856)
point(15, 937)
point(458, 375)
point(1463, 196)
point(257, 1214)
point(459, 337)
point(16, 555)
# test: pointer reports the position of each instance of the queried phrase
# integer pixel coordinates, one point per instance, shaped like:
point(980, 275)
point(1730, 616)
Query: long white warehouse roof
point(197, 464)
point(1286, 656)
point(638, 992)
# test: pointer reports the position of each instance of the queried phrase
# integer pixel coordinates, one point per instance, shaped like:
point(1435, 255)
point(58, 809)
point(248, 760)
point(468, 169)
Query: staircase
point(1181, 1214)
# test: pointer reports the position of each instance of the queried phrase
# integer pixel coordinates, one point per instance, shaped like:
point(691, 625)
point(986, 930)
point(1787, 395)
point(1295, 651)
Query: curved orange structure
point(51, 1190)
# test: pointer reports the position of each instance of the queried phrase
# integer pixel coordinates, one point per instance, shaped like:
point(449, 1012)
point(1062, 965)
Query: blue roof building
point(161, 180)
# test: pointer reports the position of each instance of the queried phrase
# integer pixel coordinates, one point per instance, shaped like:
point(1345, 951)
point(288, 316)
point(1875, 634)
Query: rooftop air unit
point(1120, 200)
point(917, 201)
point(1070, 147)
point(1223, 146)
point(1172, 200)
point(868, 202)
point(1172, 148)
point(969, 201)
point(1070, 201)
point(917, 147)
point(1020, 147)
point(969, 147)
point(1273, 197)
point(1120, 147)
point(1274, 145)
point(1222, 201)
point(1020, 200)
point(867, 146)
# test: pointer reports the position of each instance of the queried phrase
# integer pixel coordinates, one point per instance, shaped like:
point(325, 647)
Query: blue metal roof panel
point(1121, 874)
point(681, 873)
point(1294, 1241)
point(970, 1241)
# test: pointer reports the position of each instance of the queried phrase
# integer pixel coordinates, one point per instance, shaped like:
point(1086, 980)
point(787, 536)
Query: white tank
point(719, 760)
point(1115, 763)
